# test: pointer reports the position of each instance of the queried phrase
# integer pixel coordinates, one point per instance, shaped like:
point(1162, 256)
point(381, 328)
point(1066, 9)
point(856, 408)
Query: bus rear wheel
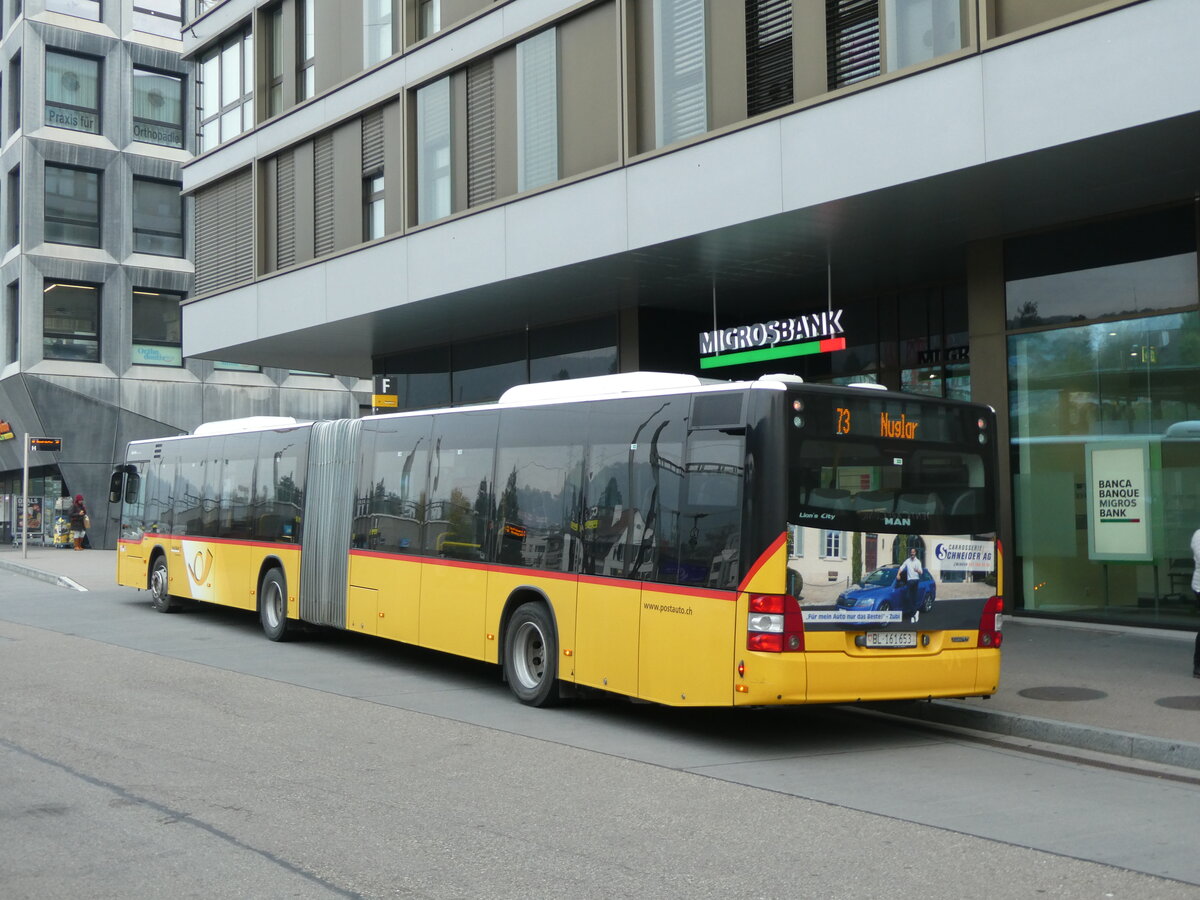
point(531, 656)
point(160, 595)
point(272, 606)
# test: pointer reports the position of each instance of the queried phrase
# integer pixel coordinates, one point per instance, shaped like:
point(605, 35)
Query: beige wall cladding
point(1007, 16)
point(726, 26)
point(505, 83)
point(339, 42)
point(641, 13)
point(590, 91)
point(456, 10)
point(810, 75)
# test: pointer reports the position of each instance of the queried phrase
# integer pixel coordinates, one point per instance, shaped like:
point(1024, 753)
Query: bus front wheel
point(160, 595)
point(272, 606)
point(531, 656)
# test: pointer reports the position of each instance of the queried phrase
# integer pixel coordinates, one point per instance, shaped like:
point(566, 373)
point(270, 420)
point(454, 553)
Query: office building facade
point(97, 122)
point(984, 199)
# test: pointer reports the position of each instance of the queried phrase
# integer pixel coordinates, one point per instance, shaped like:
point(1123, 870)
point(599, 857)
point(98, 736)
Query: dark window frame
point(94, 111)
point(93, 338)
point(59, 220)
point(178, 124)
point(137, 340)
point(155, 232)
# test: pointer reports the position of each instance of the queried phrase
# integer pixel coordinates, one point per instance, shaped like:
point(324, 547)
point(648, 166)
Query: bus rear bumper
point(831, 677)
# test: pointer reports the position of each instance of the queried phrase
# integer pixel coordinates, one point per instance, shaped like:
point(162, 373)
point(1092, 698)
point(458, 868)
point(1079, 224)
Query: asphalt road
point(147, 755)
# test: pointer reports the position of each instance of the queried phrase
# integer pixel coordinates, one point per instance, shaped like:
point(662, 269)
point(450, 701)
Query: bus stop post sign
point(46, 444)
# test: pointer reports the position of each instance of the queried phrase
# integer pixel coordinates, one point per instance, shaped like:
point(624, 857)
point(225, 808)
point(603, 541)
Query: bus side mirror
point(132, 483)
point(114, 487)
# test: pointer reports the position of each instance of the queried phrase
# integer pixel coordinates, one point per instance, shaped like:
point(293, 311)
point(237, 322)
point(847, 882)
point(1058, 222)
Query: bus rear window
point(885, 486)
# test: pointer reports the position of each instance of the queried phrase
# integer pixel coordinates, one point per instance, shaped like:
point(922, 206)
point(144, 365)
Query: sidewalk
point(1107, 689)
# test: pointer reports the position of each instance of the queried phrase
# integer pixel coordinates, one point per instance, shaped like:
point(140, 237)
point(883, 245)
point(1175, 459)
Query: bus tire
point(160, 596)
point(531, 656)
point(272, 606)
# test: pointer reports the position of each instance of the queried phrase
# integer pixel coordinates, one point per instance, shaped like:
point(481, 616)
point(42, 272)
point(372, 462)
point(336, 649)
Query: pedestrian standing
point(79, 521)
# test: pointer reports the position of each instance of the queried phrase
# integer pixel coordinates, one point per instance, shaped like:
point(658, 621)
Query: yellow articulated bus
point(684, 542)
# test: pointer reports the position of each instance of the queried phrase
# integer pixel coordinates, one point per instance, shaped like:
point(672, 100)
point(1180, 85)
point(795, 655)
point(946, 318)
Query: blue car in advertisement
point(881, 591)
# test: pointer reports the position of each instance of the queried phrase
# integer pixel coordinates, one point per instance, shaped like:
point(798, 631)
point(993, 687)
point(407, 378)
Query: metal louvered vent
point(768, 55)
point(481, 132)
point(332, 453)
point(372, 142)
point(323, 231)
point(852, 41)
point(285, 212)
point(225, 233)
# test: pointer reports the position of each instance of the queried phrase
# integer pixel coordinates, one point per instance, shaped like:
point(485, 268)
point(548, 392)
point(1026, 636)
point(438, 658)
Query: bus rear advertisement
point(679, 541)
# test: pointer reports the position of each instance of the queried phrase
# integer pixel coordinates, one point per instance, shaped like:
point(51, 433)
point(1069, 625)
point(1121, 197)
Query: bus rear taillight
point(991, 622)
point(775, 624)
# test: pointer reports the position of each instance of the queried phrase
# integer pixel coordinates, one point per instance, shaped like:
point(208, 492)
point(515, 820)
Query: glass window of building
point(157, 217)
point(13, 199)
point(1136, 265)
point(483, 370)
point(71, 322)
point(1103, 417)
point(72, 92)
point(574, 350)
point(14, 95)
point(13, 343)
point(373, 207)
point(157, 329)
point(917, 32)
point(275, 61)
point(852, 38)
point(377, 31)
point(226, 91)
point(81, 9)
point(157, 108)
point(161, 17)
point(236, 367)
point(769, 73)
point(429, 17)
point(306, 76)
point(72, 206)
point(433, 151)
point(680, 70)
point(537, 110)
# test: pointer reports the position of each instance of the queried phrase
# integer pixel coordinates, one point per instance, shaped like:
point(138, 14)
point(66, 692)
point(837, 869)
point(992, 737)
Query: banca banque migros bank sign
point(776, 339)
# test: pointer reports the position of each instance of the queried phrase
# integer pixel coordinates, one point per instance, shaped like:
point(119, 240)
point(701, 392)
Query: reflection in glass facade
point(480, 371)
point(1077, 394)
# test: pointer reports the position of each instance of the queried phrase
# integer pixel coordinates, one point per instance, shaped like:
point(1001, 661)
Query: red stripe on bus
point(763, 559)
point(197, 539)
point(620, 583)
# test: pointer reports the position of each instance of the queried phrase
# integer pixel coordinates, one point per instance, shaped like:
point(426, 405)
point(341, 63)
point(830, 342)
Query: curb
point(1084, 737)
point(49, 578)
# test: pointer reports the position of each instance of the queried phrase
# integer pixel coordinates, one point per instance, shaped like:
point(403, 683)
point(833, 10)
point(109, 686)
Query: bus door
point(457, 542)
point(689, 616)
point(186, 561)
point(611, 532)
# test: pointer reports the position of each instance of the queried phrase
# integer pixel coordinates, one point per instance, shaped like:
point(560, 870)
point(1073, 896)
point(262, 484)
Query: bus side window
point(461, 494)
point(390, 509)
point(712, 511)
point(538, 471)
